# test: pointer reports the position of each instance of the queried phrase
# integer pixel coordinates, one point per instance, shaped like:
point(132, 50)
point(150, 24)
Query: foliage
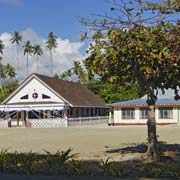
point(114, 93)
point(51, 44)
point(37, 50)
point(130, 47)
point(109, 92)
point(65, 163)
point(6, 89)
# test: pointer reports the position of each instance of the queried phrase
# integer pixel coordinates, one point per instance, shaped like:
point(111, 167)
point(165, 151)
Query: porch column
point(17, 116)
point(65, 113)
point(40, 115)
point(25, 117)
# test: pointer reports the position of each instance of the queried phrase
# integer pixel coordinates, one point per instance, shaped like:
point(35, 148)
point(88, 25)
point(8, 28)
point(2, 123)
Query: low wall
point(47, 123)
point(82, 121)
point(43, 123)
point(3, 123)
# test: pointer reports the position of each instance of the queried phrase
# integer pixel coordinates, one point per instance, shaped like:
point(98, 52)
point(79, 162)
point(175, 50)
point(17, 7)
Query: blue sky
point(43, 16)
point(34, 19)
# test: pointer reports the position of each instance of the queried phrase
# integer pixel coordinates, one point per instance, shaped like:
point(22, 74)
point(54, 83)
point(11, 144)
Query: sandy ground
point(91, 142)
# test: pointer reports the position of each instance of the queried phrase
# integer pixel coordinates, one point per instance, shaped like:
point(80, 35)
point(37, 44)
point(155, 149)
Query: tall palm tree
point(10, 71)
point(1, 48)
point(37, 50)
point(51, 44)
point(27, 51)
point(17, 38)
point(1, 66)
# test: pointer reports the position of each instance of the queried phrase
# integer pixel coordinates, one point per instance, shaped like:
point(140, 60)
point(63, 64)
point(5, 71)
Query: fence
point(3, 123)
point(81, 121)
point(47, 123)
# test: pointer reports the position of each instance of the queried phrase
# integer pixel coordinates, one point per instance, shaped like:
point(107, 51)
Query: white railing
point(46, 123)
point(3, 123)
point(81, 121)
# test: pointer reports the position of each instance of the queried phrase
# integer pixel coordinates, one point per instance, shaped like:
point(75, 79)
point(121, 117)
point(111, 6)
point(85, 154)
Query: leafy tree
point(10, 71)
point(37, 50)
point(17, 38)
point(27, 51)
point(6, 71)
point(6, 89)
point(133, 48)
point(51, 44)
point(107, 91)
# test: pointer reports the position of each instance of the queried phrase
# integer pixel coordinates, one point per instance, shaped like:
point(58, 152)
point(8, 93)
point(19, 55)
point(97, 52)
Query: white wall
point(34, 86)
point(118, 118)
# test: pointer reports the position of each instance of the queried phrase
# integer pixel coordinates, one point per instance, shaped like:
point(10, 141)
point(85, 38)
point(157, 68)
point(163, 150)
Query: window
point(143, 113)
point(33, 115)
point(128, 113)
point(166, 113)
point(24, 97)
point(44, 96)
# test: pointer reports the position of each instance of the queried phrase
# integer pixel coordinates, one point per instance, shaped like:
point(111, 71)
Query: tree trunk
point(51, 61)
point(27, 64)
point(37, 62)
point(152, 152)
point(18, 58)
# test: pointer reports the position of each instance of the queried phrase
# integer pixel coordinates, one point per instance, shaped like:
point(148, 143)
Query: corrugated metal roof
point(142, 102)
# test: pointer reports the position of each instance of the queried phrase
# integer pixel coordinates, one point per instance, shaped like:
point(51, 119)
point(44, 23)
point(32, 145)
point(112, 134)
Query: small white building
point(42, 101)
point(167, 111)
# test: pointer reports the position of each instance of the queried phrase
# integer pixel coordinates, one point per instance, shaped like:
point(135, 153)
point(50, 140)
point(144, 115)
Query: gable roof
point(75, 94)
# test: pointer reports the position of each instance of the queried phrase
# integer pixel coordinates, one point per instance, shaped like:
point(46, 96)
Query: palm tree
point(17, 38)
point(27, 51)
point(1, 66)
point(10, 71)
point(51, 44)
point(37, 50)
point(1, 48)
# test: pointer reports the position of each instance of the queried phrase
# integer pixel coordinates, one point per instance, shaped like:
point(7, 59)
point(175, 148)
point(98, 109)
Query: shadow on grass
point(64, 163)
point(141, 148)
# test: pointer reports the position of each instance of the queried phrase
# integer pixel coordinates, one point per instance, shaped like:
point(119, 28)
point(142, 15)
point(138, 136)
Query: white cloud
point(18, 3)
point(63, 56)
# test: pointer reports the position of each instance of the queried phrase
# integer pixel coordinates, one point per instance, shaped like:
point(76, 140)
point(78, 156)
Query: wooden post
point(17, 117)
point(39, 114)
point(25, 118)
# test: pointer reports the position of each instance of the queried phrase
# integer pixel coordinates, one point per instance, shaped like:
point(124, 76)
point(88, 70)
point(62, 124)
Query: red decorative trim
point(132, 124)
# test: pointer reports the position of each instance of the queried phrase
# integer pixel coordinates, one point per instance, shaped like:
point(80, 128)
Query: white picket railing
point(81, 121)
point(3, 123)
point(46, 123)
point(35, 123)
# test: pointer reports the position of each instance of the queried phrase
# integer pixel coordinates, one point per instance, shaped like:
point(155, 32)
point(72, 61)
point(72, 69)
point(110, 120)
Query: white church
point(42, 101)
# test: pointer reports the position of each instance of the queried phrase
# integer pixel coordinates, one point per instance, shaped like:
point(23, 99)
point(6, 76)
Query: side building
point(42, 101)
point(134, 112)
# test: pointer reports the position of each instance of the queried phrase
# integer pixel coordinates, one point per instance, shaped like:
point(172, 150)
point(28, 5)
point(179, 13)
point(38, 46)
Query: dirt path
point(90, 142)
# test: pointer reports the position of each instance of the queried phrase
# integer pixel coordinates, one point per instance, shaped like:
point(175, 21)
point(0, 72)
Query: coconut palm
point(1, 48)
point(27, 51)
point(37, 50)
point(1, 66)
point(10, 71)
point(51, 44)
point(17, 38)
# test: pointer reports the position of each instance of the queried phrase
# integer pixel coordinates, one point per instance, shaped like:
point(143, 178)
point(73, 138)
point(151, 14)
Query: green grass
point(66, 163)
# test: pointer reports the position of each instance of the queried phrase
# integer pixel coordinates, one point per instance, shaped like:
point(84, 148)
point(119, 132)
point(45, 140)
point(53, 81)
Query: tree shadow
point(167, 152)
